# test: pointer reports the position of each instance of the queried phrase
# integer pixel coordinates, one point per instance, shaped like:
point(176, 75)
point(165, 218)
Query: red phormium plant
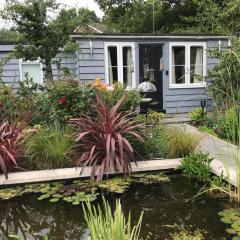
point(10, 149)
point(104, 141)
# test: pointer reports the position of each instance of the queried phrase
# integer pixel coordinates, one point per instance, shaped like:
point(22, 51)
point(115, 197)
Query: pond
point(165, 209)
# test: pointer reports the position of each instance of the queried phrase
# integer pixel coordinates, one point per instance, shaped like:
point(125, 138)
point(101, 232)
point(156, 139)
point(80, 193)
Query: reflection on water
point(165, 207)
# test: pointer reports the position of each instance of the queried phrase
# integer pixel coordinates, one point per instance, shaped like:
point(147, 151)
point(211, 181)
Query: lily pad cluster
point(232, 218)
point(75, 193)
point(9, 193)
point(147, 178)
point(82, 190)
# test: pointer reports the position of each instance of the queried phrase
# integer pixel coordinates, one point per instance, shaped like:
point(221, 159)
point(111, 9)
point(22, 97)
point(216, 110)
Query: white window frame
point(188, 46)
point(120, 46)
point(21, 62)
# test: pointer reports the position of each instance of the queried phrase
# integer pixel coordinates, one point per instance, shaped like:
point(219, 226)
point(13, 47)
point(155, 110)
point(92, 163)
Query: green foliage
point(8, 103)
point(107, 225)
point(225, 77)
point(231, 217)
point(197, 165)
point(168, 142)
point(27, 94)
point(155, 118)
point(205, 16)
point(80, 191)
point(185, 235)
point(199, 116)
point(228, 124)
point(68, 100)
point(207, 130)
point(15, 237)
point(110, 98)
point(8, 35)
point(48, 148)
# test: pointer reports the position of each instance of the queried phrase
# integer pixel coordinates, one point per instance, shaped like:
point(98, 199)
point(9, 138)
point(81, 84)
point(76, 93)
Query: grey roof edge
point(149, 36)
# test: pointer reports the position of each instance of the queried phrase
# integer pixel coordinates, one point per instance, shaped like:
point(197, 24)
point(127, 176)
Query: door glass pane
point(112, 65)
point(33, 71)
point(196, 64)
point(127, 66)
point(178, 65)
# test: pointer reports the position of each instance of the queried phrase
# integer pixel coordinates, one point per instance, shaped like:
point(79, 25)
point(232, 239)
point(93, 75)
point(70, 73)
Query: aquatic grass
point(103, 224)
point(48, 148)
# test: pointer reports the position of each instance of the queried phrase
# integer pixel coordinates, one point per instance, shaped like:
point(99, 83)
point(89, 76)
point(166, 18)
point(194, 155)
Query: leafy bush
point(155, 118)
point(225, 77)
point(104, 140)
point(105, 225)
point(10, 147)
point(197, 166)
point(69, 100)
point(184, 235)
point(111, 97)
point(199, 116)
point(48, 148)
point(228, 124)
point(7, 103)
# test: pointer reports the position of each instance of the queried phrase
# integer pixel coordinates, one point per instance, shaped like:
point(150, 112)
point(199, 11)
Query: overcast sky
point(72, 3)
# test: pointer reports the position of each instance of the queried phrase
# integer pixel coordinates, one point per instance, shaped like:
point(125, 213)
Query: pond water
point(165, 209)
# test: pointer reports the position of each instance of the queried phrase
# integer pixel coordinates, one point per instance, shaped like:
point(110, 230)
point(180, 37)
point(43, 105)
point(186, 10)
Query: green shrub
point(184, 235)
point(8, 103)
point(108, 225)
point(198, 116)
point(111, 97)
point(228, 125)
point(68, 99)
point(197, 165)
point(48, 148)
point(155, 118)
point(167, 142)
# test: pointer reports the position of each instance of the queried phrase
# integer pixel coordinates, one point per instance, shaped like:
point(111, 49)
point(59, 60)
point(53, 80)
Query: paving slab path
point(226, 155)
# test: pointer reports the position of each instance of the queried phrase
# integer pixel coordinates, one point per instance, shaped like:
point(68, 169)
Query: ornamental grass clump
point(104, 140)
point(10, 146)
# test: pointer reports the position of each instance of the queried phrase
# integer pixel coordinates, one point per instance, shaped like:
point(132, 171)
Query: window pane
point(178, 65)
point(179, 55)
point(196, 64)
point(33, 71)
point(112, 56)
point(112, 65)
point(127, 66)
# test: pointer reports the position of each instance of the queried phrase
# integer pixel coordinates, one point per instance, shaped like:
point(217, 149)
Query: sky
point(71, 3)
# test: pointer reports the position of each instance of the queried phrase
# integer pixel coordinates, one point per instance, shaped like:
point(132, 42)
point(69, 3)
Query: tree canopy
point(207, 16)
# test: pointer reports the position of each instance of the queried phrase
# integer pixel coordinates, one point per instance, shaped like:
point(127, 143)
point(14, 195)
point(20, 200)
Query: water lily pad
point(44, 196)
point(53, 200)
point(231, 231)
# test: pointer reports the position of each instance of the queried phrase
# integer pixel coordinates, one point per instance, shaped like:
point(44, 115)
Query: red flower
point(63, 100)
point(1, 104)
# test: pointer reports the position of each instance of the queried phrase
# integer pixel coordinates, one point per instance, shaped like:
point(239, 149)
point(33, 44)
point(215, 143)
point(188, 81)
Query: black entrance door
point(151, 62)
